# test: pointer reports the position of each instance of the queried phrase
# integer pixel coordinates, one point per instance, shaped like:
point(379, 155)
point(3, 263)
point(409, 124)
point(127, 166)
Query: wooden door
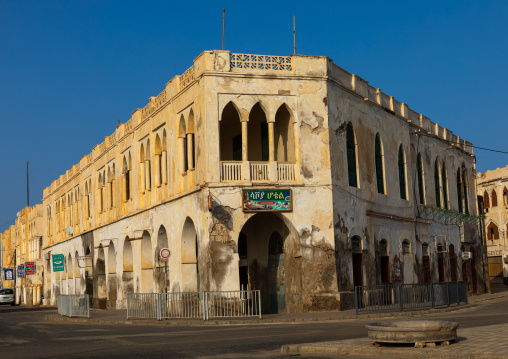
point(385, 270)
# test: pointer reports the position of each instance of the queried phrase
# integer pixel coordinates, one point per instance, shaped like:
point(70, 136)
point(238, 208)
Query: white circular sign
point(165, 253)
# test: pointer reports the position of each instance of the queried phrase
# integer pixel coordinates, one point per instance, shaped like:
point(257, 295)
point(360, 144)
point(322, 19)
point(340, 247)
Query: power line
point(455, 143)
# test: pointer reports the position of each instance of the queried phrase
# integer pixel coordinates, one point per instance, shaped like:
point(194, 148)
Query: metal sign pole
point(166, 276)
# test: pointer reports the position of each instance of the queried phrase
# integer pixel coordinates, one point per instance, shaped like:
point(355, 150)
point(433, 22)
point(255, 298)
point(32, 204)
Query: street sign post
point(165, 253)
point(21, 271)
point(9, 274)
point(29, 268)
point(58, 262)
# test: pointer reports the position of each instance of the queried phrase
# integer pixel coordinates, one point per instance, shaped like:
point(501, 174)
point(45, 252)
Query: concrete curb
point(386, 352)
point(254, 321)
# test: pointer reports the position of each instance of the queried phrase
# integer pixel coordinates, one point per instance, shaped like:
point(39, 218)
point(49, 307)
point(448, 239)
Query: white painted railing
point(285, 171)
point(231, 171)
point(75, 305)
point(259, 171)
point(206, 305)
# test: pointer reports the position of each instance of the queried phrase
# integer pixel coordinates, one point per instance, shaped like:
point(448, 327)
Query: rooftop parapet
point(493, 175)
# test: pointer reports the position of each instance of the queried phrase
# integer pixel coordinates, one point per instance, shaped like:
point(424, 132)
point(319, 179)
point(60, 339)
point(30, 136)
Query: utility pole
point(294, 35)
point(27, 187)
point(223, 26)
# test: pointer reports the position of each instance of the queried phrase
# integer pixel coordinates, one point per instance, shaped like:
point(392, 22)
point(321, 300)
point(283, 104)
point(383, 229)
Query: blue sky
point(70, 69)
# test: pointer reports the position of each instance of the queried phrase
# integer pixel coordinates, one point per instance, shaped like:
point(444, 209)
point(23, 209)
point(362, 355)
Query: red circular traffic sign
point(165, 253)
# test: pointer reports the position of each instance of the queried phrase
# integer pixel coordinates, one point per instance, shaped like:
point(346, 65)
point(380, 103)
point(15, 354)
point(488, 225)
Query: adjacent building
point(284, 174)
point(493, 189)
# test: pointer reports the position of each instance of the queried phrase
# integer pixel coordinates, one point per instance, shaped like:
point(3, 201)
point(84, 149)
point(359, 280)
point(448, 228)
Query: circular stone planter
point(412, 331)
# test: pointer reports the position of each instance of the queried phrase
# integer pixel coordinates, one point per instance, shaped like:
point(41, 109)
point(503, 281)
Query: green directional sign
point(58, 262)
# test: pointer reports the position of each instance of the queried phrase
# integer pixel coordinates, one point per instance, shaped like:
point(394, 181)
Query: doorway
point(356, 250)
point(276, 274)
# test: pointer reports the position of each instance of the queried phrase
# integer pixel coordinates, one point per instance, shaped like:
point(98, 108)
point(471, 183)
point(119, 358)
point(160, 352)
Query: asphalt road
point(23, 334)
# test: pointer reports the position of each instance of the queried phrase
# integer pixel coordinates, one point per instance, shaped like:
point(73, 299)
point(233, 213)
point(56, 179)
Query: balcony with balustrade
point(256, 148)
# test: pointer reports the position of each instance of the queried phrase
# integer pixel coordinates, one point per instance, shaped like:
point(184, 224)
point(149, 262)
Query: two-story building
point(283, 174)
point(493, 187)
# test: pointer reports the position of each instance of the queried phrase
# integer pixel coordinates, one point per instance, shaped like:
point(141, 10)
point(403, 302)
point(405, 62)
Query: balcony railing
point(285, 172)
point(231, 171)
point(257, 171)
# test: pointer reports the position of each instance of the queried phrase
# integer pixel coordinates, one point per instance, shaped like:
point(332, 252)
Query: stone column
point(142, 176)
point(157, 170)
point(245, 143)
point(147, 169)
point(190, 145)
point(181, 144)
point(164, 167)
point(271, 155)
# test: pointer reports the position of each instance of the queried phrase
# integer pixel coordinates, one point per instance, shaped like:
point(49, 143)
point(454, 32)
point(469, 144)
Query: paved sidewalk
point(120, 316)
point(491, 344)
point(470, 344)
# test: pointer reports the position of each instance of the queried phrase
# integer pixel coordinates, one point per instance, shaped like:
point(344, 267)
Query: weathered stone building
point(22, 243)
point(493, 187)
point(369, 185)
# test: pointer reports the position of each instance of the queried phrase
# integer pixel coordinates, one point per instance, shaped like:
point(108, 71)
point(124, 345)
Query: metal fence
point(206, 305)
point(74, 305)
point(372, 298)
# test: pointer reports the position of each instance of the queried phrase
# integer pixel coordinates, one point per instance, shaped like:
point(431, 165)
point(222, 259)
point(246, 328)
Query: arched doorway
point(356, 251)
point(464, 269)
point(78, 286)
point(189, 260)
point(269, 262)
point(384, 261)
point(453, 263)
point(242, 263)
point(112, 280)
point(427, 278)
point(473, 269)
point(440, 263)
point(70, 275)
point(128, 274)
point(146, 264)
point(101, 279)
point(230, 134)
point(162, 242)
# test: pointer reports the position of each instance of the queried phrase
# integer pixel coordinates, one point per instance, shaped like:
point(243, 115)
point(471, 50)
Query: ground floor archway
point(269, 261)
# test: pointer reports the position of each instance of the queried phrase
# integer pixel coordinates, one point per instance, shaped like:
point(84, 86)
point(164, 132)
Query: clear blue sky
point(70, 69)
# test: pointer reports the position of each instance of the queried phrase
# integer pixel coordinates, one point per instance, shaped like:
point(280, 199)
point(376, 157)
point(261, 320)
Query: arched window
point(406, 247)
point(257, 130)
point(379, 166)
point(444, 180)
point(148, 167)
point(126, 178)
point(351, 156)
point(464, 190)
point(402, 174)
point(494, 198)
point(284, 136)
point(459, 192)
point(440, 263)
point(486, 202)
point(421, 191)
point(505, 196)
point(436, 184)
point(492, 231)
point(182, 140)
point(230, 134)
point(191, 157)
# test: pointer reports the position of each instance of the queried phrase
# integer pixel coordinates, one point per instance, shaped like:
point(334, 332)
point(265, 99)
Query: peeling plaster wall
point(352, 205)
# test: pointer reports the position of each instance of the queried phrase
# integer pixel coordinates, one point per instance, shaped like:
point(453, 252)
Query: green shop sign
point(267, 200)
point(58, 262)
